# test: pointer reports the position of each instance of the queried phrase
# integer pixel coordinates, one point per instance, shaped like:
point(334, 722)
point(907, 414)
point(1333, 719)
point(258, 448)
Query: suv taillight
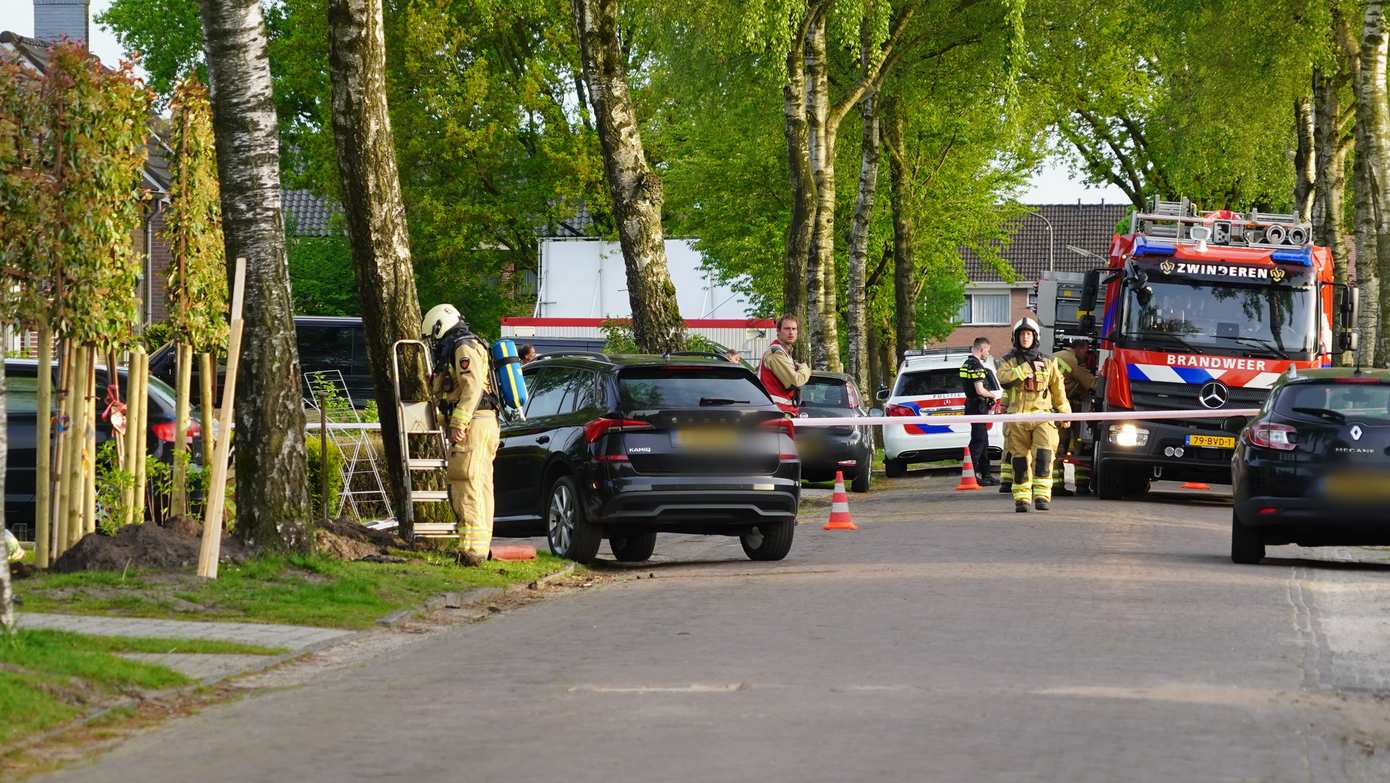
point(164, 431)
point(785, 426)
point(899, 410)
point(1279, 437)
point(599, 427)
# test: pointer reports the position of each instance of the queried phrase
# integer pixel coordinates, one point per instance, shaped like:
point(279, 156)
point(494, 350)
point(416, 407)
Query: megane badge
point(1356, 432)
point(1213, 394)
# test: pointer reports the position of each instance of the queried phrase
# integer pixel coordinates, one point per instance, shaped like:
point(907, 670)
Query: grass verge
point(47, 677)
point(289, 589)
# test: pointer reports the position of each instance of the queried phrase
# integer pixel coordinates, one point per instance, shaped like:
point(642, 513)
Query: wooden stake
point(141, 425)
point(132, 457)
point(62, 460)
point(178, 501)
point(89, 452)
point(43, 487)
point(76, 441)
point(217, 488)
point(206, 374)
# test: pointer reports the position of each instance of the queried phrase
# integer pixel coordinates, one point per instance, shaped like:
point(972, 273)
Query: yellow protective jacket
point(1078, 380)
point(464, 384)
point(1029, 391)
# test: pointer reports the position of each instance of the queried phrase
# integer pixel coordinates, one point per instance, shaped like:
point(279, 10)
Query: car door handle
point(543, 439)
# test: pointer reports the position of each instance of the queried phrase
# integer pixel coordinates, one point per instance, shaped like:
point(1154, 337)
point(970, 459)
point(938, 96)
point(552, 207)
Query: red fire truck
point(1201, 310)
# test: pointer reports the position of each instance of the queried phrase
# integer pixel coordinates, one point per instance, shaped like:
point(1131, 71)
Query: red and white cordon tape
point(1016, 418)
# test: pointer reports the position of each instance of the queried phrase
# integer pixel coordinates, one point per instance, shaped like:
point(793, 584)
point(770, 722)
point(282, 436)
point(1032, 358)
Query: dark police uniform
point(971, 371)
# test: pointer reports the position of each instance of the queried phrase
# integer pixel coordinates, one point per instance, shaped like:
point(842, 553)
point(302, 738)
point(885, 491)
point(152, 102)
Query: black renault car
point(1313, 468)
point(825, 450)
point(625, 447)
point(21, 400)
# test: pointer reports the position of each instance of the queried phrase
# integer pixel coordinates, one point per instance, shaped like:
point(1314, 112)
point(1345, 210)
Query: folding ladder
point(421, 433)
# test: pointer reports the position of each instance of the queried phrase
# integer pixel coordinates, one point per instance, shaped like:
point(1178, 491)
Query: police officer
point(781, 375)
point(1079, 381)
point(1033, 383)
point(464, 389)
point(981, 392)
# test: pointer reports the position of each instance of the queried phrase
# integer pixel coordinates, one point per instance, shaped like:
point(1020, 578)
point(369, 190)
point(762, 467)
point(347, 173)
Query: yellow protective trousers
point(470, 482)
point(1033, 446)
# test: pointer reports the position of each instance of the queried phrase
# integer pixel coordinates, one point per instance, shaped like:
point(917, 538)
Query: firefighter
point(781, 375)
point(1078, 380)
point(464, 389)
point(1033, 382)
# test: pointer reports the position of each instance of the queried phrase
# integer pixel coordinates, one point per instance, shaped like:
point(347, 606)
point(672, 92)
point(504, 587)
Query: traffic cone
point(514, 552)
point(967, 473)
point(1196, 485)
point(839, 507)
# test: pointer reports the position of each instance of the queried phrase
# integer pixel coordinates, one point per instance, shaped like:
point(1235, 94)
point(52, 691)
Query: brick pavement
point(290, 637)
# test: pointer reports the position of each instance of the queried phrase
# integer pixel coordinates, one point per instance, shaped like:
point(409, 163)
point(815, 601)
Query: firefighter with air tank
point(1079, 381)
point(464, 389)
point(1032, 381)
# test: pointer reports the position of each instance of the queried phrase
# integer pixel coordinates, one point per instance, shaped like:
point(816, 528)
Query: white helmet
point(1030, 325)
point(439, 320)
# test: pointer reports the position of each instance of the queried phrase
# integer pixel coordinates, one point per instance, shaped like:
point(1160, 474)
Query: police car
point(929, 384)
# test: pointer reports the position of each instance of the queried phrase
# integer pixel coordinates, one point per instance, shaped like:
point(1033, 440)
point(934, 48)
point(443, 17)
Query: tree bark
point(821, 157)
point(1373, 121)
point(6, 594)
point(635, 189)
point(271, 498)
point(803, 186)
point(859, 236)
point(1331, 159)
point(374, 210)
point(1305, 158)
point(904, 262)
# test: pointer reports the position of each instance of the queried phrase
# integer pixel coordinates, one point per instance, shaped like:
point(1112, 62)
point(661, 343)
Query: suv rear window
point(825, 393)
point(942, 381)
point(646, 388)
point(1351, 400)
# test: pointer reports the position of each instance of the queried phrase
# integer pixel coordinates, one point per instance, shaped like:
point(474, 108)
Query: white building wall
point(587, 278)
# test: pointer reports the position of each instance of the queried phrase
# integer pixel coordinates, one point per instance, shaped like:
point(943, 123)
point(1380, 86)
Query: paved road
point(949, 639)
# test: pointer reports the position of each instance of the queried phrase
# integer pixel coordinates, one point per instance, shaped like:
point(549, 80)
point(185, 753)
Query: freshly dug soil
point(143, 546)
point(347, 540)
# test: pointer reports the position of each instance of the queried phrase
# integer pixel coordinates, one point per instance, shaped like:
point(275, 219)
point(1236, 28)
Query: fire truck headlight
point(1128, 435)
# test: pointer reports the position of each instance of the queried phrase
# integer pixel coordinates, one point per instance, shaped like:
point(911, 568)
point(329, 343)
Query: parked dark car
point(325, 343)
point(825, 450)
point(21, 400)
point(625, 447)
point(1313, 468)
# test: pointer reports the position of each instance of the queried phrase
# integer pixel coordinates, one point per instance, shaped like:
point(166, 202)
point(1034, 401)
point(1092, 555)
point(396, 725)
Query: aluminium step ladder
point(423, 447)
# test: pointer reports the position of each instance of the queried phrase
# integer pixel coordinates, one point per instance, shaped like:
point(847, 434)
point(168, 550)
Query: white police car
point(929, 384)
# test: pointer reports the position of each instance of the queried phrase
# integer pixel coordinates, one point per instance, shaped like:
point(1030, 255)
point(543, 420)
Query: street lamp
point(1051, 241)
point(1081, 251)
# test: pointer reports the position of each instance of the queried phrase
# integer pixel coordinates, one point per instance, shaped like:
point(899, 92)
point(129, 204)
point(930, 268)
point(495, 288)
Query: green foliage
point(321, 275)
point(618, 338)
point(112, 482)
point(168, 34)
point(193, 225)
point(156, 335)
point(316, 466)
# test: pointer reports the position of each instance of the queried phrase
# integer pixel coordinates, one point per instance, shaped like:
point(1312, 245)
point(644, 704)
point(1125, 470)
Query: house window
point(985, 310)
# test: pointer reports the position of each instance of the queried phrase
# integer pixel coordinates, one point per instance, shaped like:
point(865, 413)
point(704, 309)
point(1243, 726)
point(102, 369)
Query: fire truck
point(1195, 310)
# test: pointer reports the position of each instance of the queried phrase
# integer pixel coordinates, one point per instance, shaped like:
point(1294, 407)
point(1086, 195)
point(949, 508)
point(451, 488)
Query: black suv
point(625, 447)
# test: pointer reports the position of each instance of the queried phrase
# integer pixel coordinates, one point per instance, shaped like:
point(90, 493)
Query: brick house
point(992, 304)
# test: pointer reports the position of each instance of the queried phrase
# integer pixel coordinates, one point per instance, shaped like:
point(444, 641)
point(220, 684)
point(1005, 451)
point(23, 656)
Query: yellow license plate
point(705, 439)
point(948, 413)
point(1212, 441)
point(1356, 486)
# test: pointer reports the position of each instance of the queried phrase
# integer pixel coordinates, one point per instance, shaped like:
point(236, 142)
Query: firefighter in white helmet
point(1033, 382)
point(463, 388)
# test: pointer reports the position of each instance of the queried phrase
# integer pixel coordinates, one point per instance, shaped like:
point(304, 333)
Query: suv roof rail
point(586, 354)
point(705, 354)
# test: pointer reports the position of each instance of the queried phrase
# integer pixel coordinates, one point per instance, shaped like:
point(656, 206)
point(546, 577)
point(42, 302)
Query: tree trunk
point(271, 497)
point(1331, 162)
point(1373, 121)
point(859, 240)
point(6, 594)
point(817, 109)
point(803, 186)
point(904, 263)
point(657, 326)
point(1305, 158)
point(374, 210)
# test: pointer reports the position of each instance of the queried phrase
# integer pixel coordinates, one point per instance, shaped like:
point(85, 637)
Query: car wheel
point(570, 534)
point(863, 475)
point(893, 468)
point(768, 540)
point(633, 547)
point(1247, 547)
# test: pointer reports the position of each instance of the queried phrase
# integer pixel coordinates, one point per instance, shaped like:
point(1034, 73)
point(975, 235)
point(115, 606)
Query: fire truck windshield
point(1257, 320)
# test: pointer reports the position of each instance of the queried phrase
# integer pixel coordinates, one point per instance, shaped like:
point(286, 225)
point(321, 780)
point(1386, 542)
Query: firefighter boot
point(1042, 479)
point(1023, 486)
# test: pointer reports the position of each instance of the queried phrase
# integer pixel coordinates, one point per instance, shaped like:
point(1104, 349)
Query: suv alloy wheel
point(567, 529)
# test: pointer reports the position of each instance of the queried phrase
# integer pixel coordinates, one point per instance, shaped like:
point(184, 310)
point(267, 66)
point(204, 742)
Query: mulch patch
point(150, 545)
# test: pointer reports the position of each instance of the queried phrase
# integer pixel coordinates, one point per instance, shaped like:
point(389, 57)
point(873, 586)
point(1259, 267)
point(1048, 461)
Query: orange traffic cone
point(967, 473)
point(839, 507)
point(514, 552)
point(1196, 485)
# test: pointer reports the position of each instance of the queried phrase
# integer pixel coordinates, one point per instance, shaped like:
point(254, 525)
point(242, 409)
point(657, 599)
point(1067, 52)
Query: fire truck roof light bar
point(1302, 256)
point(1261, 229)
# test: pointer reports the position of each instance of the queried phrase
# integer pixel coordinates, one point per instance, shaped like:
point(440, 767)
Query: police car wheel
point(893, 468)
point(863, 474)
point(569, 533)
point(1247, 547)
point(632, 547)
point(768, 540)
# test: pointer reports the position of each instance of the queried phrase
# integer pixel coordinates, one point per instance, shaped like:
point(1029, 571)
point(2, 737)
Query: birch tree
point(272, 502)
point(1373, 147)
point(634, 188)
point(374, 209)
